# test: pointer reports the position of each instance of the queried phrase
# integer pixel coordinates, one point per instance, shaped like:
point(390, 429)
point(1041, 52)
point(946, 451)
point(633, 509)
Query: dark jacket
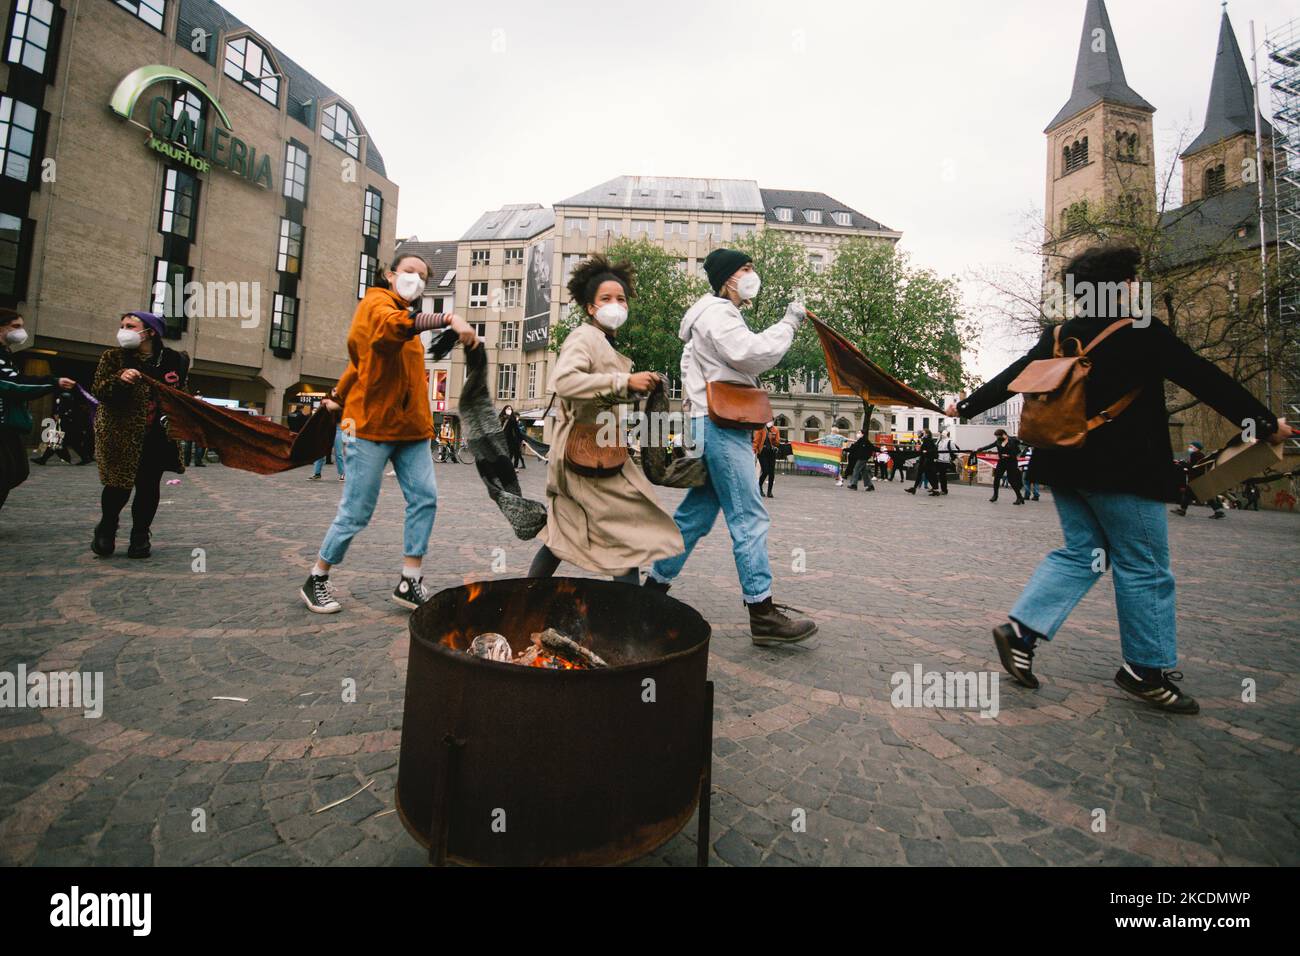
point(862, 448)
point(17, 389)
point(1008, 451)
point(1132, 453)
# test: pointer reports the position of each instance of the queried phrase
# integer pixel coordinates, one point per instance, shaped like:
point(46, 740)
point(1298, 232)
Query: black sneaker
point(104, 540)
point(318, 594)
point(410, 593)
point(1162, 693)
point(910, 491)
point(313, 477)
point(1016, 655)
point(1217, 514)
point(1181, 512)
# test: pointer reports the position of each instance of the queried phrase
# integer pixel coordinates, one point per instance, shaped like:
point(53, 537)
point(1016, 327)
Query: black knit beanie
point(721, 265)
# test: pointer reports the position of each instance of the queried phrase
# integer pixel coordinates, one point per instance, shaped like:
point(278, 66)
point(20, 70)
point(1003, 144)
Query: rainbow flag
point(811, 457)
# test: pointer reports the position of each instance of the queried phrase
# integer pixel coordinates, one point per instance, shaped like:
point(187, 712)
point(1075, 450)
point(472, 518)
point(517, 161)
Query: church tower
point(1100, 163)
point(1223, 156)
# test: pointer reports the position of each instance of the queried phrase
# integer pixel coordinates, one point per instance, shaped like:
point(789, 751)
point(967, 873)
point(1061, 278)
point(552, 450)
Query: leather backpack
point(1055, 414)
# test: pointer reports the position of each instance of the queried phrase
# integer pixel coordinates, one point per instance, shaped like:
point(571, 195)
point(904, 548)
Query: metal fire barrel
point(504, 764)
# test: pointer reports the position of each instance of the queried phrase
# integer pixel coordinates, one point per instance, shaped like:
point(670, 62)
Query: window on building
point(710, 231)
point(289, 257)
point(511, 293)
point(509, 338)
point(514, 256)
point(17, 138)
point(296, 164)
point(575, 227)
point(168, 299)
point(250, 65)
point(739, 229)
point(812, 429)
point(817, 261)
point(674, 387)
point(1075, 154)
point(784, 214)
point(151, 12)
point(643, 228)
point(842, 218)
point(480, 257)
point(570, 263)
point(1216, 180)
point(812, 382)
point(782, 425)
point(911, 424)
point(480, 328)
point(284, 323)
point(373, 217)
point(179, 204)
point(185, 100)
point(337, 126)
point(506, 376)
point(609, 227)
point(813, 216)
point(1074, 217)
point(532, 379)
point(675, 229)
point(11, 255)
point(366, 274)
point(29, 40)
point(1126, 144)
point(478, 295)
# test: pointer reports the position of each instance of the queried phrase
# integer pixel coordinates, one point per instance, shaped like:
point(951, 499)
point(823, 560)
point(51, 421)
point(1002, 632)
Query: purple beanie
point(151, 321)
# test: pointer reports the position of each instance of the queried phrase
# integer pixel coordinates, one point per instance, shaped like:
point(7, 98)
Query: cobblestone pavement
point(893, 581)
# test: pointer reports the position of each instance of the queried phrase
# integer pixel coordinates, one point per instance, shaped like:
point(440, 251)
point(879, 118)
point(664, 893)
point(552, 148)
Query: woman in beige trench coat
point(610, 525)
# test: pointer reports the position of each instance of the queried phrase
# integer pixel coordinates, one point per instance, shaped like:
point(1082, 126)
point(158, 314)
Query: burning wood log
point(567, 648)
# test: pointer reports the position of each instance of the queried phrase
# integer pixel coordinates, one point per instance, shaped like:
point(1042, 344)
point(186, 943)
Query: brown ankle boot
point(769, 626)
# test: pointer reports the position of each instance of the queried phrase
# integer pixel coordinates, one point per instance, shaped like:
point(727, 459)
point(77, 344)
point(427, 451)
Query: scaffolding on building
point(1283, 79)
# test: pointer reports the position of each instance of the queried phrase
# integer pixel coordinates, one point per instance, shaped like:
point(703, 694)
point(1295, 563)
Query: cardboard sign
point(1232, 466)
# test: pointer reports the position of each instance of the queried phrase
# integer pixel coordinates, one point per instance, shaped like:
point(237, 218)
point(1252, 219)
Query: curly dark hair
point(590, 273)
point(1114, 261)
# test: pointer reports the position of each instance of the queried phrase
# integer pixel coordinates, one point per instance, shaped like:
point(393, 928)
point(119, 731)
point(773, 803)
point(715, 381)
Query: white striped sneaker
point(1162, 693)
point(1017, 658)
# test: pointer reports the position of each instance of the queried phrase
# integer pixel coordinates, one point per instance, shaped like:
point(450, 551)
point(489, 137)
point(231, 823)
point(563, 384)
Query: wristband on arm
point(427, 321)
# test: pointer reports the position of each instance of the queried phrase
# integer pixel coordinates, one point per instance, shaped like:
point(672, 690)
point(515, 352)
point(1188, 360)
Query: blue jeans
point(338, 454)
point(729, 456)
point(367, 460)
point(1131, 536)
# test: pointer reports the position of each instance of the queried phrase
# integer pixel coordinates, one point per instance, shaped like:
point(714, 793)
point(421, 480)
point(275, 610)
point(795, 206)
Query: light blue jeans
point(367, 460)
point(729, 456)
point(1129, 535)
point(338, 454)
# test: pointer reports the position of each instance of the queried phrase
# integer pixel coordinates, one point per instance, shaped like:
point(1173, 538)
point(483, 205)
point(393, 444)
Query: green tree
point(663, 294)
point(906, 319)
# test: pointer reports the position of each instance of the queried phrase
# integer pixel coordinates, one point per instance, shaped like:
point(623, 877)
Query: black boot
point(139, 546)
point(104, 542)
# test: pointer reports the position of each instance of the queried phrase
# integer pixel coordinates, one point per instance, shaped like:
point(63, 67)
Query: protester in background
point(16, 390)
point(882, 464)
point(1110, 491)
point(130, 434)
point(612, 524)
point(766, 442)
point(926, 464)
point(949, 457)
point(1008, 466)
point(861, 453)
point(1195, 455)
point(721, 348)
point(1251, 490)
point(514, 435)
point(1030, 484)
point(383, 396)
point(340, 452)
point(64, 402)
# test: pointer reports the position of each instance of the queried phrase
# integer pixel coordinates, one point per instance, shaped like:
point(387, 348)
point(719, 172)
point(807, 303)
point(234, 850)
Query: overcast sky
point(926, 115)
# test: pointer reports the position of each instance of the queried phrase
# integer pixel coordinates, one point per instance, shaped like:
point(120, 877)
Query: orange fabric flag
point(852, 373)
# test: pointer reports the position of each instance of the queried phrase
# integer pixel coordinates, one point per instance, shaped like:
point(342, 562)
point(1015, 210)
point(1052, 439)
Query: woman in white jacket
point(721, 348)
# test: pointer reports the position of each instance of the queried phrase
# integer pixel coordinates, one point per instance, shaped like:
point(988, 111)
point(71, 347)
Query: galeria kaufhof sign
point(176, 134)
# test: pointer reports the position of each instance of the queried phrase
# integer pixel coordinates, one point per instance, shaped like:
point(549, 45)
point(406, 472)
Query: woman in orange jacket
point(386, 418)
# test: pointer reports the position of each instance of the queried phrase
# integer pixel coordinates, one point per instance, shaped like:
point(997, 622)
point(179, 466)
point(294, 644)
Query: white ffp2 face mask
point(747, 285)
point(15, 336)
point(129, 338)
point(611, 315)
point(409, 285)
